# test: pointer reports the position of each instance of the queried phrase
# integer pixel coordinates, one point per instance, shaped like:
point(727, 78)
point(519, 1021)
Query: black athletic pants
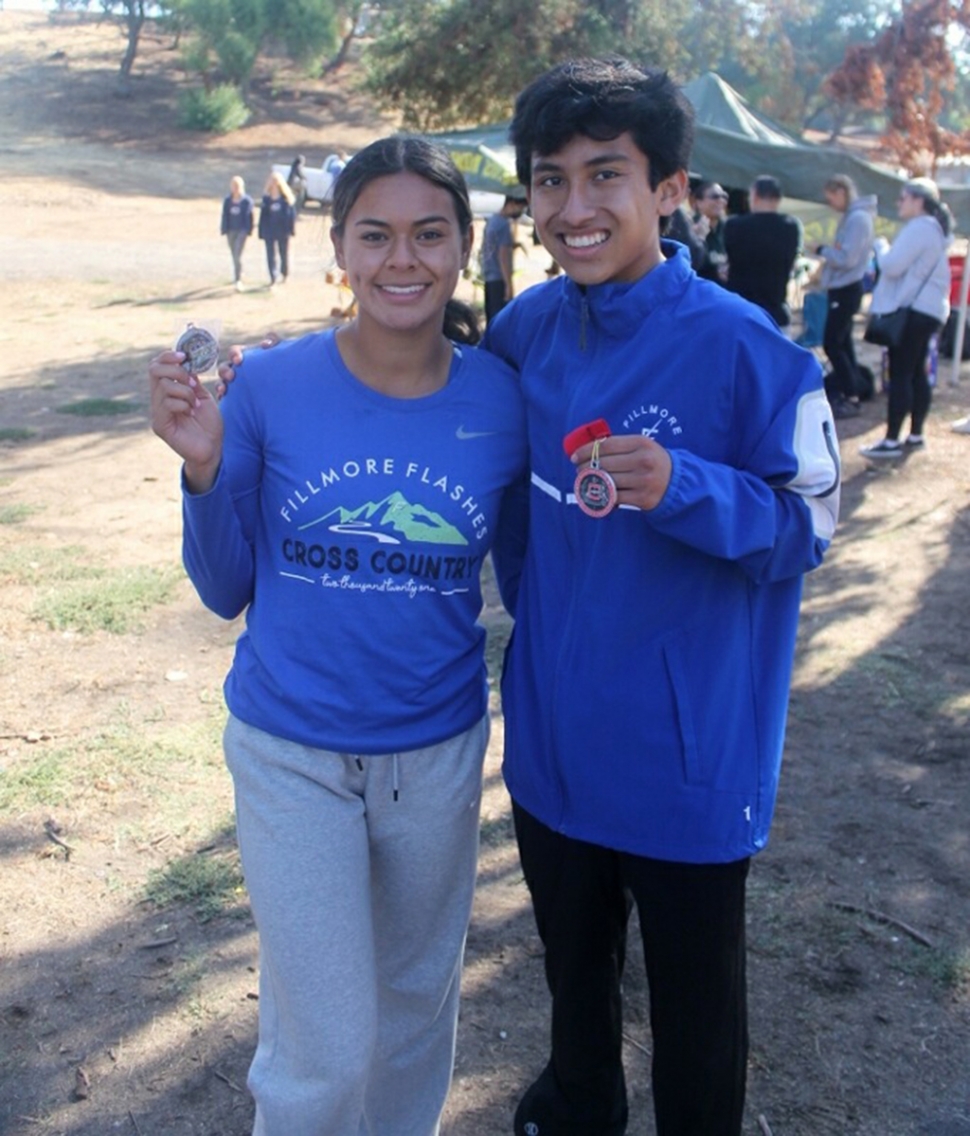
point(495, 299)
point(692, 922)
point(909, 384)
point(843, 303)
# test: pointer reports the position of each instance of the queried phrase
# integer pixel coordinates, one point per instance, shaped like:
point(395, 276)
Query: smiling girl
point(347, 512)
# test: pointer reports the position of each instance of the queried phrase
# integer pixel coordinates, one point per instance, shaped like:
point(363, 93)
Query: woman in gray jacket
point(914, 273)
point(845, 262)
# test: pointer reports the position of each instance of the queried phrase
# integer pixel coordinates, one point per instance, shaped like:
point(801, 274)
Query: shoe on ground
point(886, 450)
point(915, 442)
point(846, 408)
point(545, 1111)
point(961, 426)
point(239, 285)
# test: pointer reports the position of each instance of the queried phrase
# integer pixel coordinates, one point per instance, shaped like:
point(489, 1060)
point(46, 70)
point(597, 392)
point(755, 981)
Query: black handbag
point(886, 329)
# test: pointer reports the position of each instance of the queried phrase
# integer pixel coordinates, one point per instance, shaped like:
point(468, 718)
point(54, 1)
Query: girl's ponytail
point(461, 323)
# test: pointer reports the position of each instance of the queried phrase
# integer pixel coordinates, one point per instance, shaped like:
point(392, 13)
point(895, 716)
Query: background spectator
point(277, 223)
point(761, 248)
point(845, 262)
point(498, 248)
point(237, 224)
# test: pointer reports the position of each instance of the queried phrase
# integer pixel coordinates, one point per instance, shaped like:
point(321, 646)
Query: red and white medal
point(595, 490)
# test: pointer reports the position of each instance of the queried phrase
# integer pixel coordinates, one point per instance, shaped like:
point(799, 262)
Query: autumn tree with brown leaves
point(907, 71)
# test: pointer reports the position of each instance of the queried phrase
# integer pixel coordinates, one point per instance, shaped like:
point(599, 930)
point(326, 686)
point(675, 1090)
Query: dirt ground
point(123, 1012)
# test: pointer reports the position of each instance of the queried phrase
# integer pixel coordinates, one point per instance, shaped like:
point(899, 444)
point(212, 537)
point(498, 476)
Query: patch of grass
point(211, 883)
point(99, 407)
point(15, 434)
point(14, 514)
point(947, 969)
point(33, 564)
point(42, 781)
point(115, 602)
point(85, 767)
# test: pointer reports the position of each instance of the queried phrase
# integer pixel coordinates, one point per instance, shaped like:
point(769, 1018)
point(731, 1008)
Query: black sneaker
point(915, 442)
point(545, 1111)
point(886, 450)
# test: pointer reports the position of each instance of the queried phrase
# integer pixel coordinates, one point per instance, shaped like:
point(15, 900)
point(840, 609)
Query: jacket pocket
point(690, 749)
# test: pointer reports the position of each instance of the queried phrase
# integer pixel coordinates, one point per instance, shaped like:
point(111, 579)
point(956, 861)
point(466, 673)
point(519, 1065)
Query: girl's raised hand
point(186, 417)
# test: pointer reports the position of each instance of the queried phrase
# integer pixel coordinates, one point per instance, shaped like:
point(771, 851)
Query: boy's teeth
point(402, 290)
point(586, 241)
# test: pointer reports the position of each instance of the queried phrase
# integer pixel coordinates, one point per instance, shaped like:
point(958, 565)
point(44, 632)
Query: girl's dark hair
point(408, 154)
point(928, 192)
point(602, 99)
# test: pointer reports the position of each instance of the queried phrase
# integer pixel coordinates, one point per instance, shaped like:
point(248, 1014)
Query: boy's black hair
point(602, 99)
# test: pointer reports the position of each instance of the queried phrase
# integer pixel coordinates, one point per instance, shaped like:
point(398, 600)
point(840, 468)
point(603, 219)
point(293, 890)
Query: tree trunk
point(341, 57)
point(135, 21)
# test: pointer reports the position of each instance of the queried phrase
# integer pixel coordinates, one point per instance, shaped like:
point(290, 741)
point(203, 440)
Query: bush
point(220, 110)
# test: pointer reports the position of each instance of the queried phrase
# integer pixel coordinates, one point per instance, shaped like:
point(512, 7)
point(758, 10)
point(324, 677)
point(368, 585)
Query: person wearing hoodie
point(845, 261)
point(914, 273)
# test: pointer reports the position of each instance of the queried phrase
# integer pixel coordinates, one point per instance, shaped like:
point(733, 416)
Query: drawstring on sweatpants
point(395, 774)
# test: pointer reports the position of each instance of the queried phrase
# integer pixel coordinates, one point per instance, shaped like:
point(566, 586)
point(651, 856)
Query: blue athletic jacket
point(646, 684)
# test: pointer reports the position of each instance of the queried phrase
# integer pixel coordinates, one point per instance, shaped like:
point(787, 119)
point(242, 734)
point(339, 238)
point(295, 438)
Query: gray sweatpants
point(361, 872)
point(237, 241)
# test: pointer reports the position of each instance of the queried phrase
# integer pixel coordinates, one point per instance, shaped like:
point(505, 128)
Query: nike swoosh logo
point(463, 435)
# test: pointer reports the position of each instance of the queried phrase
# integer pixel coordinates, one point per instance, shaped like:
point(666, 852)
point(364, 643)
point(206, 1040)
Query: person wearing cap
point(498, 245)
point(914, 273)
point(844, 263)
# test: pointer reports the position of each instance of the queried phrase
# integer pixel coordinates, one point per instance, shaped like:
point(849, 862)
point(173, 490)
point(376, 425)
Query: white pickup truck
point(319, 179)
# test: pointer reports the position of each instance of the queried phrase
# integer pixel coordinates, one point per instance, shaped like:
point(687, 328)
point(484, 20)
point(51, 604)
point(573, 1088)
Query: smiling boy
point(647, 681)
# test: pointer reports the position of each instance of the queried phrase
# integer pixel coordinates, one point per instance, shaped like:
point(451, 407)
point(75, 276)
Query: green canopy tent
point(734, 144)
point(484, 156)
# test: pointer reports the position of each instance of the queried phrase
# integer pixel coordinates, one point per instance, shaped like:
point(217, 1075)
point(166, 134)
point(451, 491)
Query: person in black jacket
point(277, 223)
point(237, 224)
point(761, 248)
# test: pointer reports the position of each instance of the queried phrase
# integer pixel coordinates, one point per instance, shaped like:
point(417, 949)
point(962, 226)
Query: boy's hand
point(227, 370)
point(639, 466)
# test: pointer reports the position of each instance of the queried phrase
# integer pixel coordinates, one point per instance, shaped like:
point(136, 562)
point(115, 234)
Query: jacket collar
point(620, 309)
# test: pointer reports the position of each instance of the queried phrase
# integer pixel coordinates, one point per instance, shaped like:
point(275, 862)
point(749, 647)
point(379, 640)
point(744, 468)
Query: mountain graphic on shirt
point(415, 523)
